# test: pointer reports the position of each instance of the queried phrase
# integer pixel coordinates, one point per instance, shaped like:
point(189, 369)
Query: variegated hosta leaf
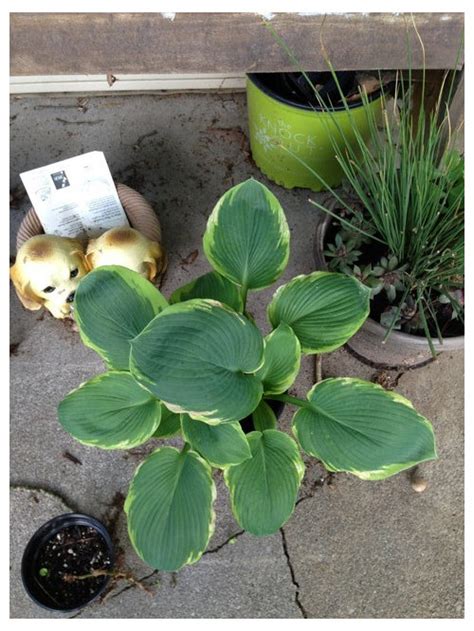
point(281, 360)
point(211, 285)
point(263, 489)
point(264, 417)
point(199, 357)
point(112, 306)
point(356, 426)
point(221, 445)
point(324, 309)
point(169, 508)
point(247, 238)
point(170, 424)
point(111, 411)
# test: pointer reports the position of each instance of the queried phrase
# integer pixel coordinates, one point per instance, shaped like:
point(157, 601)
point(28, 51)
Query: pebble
point(419, 484)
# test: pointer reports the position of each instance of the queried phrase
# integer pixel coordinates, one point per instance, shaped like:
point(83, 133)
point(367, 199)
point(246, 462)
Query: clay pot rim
point(449, 344)
point(139, 212)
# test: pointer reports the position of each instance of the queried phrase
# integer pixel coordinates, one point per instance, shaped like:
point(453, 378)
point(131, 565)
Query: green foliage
point(169, 508)
point(281, 360)
point(356, 426)
point(263, 489)
point(263, 417)
point(195, 368)
point(111, 411)
point(210, 285)
point(410, 185)
point(112, 305)
point(199, 357)
point(221, 445)
point(323, 309)
point(247, 239)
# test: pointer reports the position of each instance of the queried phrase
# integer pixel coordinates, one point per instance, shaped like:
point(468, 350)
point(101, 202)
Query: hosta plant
point(196, 365)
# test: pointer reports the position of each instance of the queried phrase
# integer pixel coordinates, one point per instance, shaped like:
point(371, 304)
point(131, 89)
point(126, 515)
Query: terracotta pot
point(139, 212)
point(401, 350)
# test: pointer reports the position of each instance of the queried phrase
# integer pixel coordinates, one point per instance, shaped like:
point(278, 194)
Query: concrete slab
point(379, 549)
point(182, 152)
point(248, 578)
point(29, 510)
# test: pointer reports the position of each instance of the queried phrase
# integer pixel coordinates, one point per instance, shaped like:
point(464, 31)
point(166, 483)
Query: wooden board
point(95, 43)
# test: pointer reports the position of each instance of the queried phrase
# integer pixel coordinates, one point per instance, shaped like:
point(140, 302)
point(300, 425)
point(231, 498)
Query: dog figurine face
point(129, 248)
point(47, 272)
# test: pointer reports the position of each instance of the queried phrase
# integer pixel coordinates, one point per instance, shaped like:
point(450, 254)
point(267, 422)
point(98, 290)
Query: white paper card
point(75, 197)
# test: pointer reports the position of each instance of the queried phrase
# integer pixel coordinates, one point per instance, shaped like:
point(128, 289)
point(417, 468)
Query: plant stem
point(287, 398)
point(243, 293)
point(318, 369)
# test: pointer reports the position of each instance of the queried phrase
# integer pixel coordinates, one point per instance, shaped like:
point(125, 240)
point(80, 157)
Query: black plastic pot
point(32, 565)
point(247, 422)
point(293, 89)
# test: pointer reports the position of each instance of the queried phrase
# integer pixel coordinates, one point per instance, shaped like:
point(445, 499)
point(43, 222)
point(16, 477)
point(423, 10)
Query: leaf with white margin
point(264, 488)
point(221, 445)
point(356, 426)
point(199, 357)
point(213, 286)
point(169, 508)
point(281, 360)
point(112, 306)
point(324, 309)
point(247, 238)
point(111, 411)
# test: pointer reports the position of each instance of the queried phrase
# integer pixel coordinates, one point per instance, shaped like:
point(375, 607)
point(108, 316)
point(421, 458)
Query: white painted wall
point(124, 83)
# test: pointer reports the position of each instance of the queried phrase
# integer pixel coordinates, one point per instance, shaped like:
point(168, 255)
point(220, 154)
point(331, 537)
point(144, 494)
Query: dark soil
point(76, 551)
point(372, 253)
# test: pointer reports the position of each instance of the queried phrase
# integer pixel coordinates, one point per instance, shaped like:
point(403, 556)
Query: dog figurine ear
point(23, 290)
point(79, 251)
point(90, 254)
point(156, 260)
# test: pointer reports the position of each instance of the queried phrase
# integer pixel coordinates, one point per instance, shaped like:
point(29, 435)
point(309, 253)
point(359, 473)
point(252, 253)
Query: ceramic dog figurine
point(129, 248)
point(47, 271)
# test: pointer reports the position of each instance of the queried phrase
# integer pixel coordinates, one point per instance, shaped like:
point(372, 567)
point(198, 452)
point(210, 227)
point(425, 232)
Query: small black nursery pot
point(67, 562)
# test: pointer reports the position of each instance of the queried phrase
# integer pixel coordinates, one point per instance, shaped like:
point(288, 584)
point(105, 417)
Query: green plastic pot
point(276, 124)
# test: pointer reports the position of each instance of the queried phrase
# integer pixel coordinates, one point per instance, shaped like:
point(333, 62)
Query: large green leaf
point(170, 424)
point(324, 309)
point(247, 237)
point(221, 445)
point(263, 489)
point(111, 411)
point(170, 508)
point(282, 356)
point(211, 285)
point(112, 306)
point(198, 357)
point(356, 426)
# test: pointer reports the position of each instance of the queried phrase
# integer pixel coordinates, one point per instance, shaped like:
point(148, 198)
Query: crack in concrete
point(326, 480)
point(382, 366)
point(298, 602)
point(132, 585)
point(226, 542)
point(110, 596)
point(45, 489)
